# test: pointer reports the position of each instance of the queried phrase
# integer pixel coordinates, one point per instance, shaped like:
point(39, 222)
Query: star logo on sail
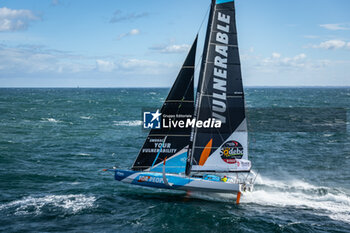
point(151, 120)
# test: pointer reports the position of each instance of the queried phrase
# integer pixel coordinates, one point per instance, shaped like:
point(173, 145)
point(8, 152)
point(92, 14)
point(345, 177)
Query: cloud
point(140, 66)
point(14, 20)
point(31, 59)
point(276, 55)
point(137, 63)
point(335, 27)
point(119, 16)
point(133, 32)
point(279, 70)
point(27, 60)
point(133, 66)
point(299, 70)
point(171, 48)
point(332, 44)
point(105, 66)
point(277, 59)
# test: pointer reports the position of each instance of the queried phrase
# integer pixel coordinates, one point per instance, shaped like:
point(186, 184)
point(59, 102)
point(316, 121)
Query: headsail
point(171, 142)
point(220, 96)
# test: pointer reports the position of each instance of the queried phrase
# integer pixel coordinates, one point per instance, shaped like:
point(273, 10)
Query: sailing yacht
point(198, 158)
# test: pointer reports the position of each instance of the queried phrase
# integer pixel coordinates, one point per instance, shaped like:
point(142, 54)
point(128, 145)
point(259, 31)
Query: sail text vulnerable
point(220, 68)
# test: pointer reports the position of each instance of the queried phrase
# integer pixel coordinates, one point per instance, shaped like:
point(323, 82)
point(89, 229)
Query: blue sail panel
point(223, 1)
point(176, 164)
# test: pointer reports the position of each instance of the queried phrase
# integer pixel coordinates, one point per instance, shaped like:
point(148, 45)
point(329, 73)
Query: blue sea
point(54, 144)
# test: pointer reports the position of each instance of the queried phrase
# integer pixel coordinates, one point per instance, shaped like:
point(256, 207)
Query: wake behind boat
point(205, 145)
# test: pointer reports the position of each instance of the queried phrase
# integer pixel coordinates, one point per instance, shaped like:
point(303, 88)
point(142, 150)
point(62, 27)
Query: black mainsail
point(167, 142)
point(220, 96)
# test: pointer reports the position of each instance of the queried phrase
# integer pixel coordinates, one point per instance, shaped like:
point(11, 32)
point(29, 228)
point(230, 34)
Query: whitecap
point(127, 123)
point(86, 117)
point(28, 205)
point(300, 194)
point(50, 120)
point(83, 154)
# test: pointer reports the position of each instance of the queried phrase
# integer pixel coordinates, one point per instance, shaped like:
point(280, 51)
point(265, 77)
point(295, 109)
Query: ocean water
point(54, 144)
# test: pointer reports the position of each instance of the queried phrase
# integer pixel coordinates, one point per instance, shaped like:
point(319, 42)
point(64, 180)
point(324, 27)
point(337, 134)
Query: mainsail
point(171, 142)
point(220, 96)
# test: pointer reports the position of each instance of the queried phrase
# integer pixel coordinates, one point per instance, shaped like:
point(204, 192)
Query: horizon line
point(129, 87)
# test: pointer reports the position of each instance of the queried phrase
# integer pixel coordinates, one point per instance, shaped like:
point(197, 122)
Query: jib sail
point(171, 142)
point(220, 96)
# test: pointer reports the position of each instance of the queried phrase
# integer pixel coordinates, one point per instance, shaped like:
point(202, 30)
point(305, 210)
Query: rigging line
point(182, 101)
point(194, 73)
point(198, 62)
point(176, 79)
point(199, 93)
point(196, 68)
point(192, 78)
point(200, 27)
point(205, 16)
point(160, 149)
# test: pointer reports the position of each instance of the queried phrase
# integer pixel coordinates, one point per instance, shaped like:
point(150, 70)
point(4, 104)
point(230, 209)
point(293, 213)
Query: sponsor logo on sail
point(230, 151)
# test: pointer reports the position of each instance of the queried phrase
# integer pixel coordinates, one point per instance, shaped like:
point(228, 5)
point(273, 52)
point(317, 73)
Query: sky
point(138, 43)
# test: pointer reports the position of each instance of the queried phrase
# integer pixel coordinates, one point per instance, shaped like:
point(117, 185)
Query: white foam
point(83, 154)
point(285, 184)
point(86, 117)
point(50, 120)
point(127, 123)
point(28, 205)
point(300, 194)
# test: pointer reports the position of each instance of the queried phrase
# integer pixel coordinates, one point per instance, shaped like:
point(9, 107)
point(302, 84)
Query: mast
point(180, 100)
point(220, 96)
point(199, 87)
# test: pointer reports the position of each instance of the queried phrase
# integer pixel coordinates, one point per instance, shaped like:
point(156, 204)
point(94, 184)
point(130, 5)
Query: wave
point(86, 117)
point(127, 123)
point(298, 194)
point(50, 120)
point(29, 205)
point(327, 201)
point(83, 154)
